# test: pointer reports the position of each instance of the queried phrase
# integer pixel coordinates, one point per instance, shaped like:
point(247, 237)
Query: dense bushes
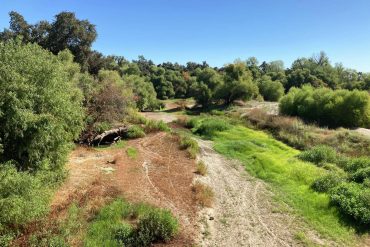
point(40, 107)
point(40, 115)
point(333, 108)
point(354, 200)
point(319, 155)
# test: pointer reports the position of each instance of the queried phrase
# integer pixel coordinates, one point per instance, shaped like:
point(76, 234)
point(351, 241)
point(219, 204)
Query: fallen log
point(109, 136)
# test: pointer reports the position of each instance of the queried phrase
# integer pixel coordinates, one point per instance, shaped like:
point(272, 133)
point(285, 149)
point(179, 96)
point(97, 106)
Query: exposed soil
point(160, 175)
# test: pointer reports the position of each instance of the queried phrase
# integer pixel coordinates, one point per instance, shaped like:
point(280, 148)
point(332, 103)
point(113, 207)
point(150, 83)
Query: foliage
point(65, 32)
point(238, 84)
point(23, 198)
point(319, 155)
point(135, 132)
point(354, 200)
point(188, 143)
point(152, 126)
point(145, 95)
point(269, 89)
point(113, 225)
point(327, 107)
point(208, 127)
point(39, 115)
point(327, 182)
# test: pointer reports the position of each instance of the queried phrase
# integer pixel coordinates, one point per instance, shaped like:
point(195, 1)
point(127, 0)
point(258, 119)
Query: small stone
point(211, 218)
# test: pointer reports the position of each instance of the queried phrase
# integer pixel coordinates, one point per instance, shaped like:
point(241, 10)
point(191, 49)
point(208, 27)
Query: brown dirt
point(160, 175)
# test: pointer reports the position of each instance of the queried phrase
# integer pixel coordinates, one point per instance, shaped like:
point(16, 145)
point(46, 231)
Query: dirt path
point(243, 214)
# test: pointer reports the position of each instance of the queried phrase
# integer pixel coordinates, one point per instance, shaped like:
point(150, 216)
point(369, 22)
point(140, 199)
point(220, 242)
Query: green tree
point(269, 89)
point(208, 80)
point(238, 84)
point(40, 107)
point(144, 93)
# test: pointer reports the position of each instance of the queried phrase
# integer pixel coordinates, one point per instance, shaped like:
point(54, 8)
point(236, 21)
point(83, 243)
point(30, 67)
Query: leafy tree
point(238, 84)
point(333, 108)
point(269, 89)
point(208, 80)
point(40, 107)
point(144, 93)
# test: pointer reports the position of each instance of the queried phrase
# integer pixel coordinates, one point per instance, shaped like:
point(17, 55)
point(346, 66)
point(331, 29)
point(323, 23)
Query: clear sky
point(217, 31)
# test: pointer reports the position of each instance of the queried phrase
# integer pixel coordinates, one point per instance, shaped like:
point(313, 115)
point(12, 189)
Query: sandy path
point(243, 214)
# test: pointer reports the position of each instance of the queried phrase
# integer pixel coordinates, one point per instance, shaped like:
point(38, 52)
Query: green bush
point(351, 165)
point(325, 183)
point(353, 200)
point(152, 126)
point(124, 224)
point(207, 127)
point(135, 132)
point(156, 226)
point(23, 198)
point(191, 145)
point(333, 108)
point(319, 155)
point(360, 175)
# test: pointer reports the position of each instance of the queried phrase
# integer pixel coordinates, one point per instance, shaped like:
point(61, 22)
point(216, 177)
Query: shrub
point(325, 183)
point(333, 108)
point(135, 132)
point(124, 234)
point(353, 200)
point(152, 126)
point(22, 199)
point(191, 145)
point(209, 126)
point(319, 155)
point(360, 175)
point(156, 226)
point(201, 168)
point(124, 224)
point(204, 194)
point(351, 165)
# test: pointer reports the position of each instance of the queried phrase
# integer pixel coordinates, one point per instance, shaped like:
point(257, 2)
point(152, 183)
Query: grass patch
point(277, 163)
point(117, 145)
point(132, 152)
point(135, 131)
point(204, 194)
point(188, 143)
point(153, 126)
point(201, 168)
point(125, 224)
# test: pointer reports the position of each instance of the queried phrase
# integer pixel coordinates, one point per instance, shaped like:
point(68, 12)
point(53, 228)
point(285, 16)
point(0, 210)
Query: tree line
point(242, 79)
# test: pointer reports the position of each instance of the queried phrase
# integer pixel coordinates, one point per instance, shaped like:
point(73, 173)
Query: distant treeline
point(244, 80)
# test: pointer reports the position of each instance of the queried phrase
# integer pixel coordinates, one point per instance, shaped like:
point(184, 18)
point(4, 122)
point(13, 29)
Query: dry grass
point(201, 168)
point(203, 194)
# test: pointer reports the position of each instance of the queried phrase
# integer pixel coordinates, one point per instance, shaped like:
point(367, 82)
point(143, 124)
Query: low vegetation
point(124, 224)
point(188, 143)
point(204, 195)
point(201, 168)
point(296, 133)
point(278, 164)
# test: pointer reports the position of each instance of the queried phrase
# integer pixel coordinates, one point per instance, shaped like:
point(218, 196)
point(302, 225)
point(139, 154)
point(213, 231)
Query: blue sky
point(218, 31)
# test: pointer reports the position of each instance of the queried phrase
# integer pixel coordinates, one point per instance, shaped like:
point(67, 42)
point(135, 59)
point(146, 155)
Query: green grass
point(276, 163)
point(131, 152)
point(119, 144)
point(124, 224)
